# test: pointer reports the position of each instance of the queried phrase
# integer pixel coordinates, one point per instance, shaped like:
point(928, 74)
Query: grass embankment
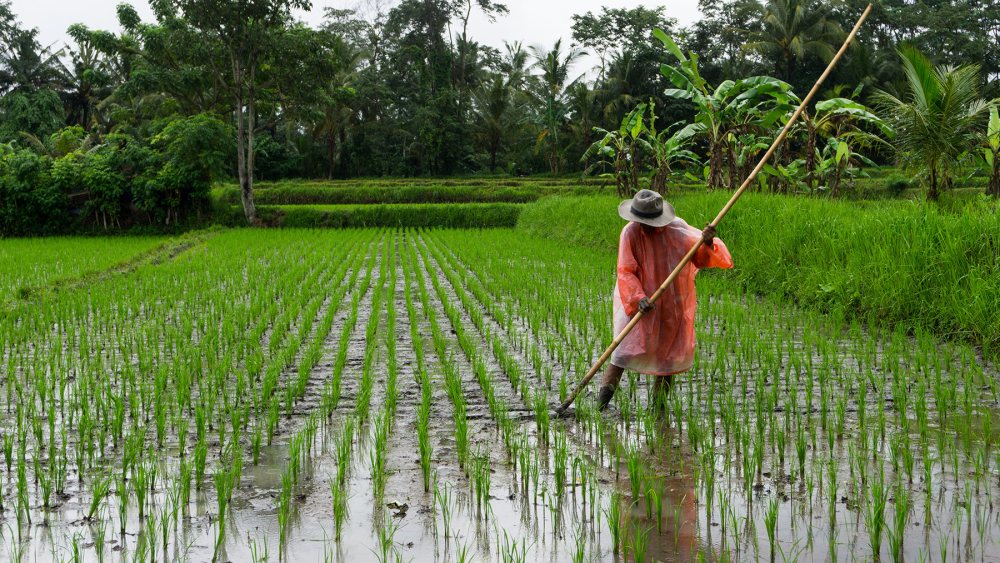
point(471, 203)
point(381, 191)
point(452, 215)
point(886, 262)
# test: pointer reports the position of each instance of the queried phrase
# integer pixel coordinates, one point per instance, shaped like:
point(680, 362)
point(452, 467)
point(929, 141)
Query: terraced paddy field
point(385, 395)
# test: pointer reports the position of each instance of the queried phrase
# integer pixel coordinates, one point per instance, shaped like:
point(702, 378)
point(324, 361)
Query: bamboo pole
point(718, 218)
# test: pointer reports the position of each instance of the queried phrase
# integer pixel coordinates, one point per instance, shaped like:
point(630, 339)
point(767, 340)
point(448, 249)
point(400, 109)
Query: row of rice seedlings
point(300, 444)
point(453, 381)
point(559, 455)
point(424, 446)
point(520, 454)
point(330, 400)
point(385, 422)
point(459, 280)
point(511, 435)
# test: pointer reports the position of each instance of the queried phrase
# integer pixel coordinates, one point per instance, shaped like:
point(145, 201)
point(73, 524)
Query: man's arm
point(629, 286)
point(713, 253)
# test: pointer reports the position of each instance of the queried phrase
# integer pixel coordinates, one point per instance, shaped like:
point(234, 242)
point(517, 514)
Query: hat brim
point(668, 216)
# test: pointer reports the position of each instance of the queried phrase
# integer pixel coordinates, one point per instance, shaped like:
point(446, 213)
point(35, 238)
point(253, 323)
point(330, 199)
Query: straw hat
point(648, 208)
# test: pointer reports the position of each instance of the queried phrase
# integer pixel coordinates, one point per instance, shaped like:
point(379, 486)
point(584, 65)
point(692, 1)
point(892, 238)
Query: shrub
point(29, 201)
point(119, 181)
point(896, 184)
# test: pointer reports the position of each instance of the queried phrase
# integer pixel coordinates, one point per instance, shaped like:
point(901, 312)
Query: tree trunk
point(994, 187)
point(715, 166)
point(331, 152)
point(838, 174)
point(243, 163)
point(659, 181)
point(932, 193)
point(810, 153)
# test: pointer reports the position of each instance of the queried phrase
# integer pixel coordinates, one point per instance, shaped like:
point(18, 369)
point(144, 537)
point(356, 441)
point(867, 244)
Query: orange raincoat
point(663, 341)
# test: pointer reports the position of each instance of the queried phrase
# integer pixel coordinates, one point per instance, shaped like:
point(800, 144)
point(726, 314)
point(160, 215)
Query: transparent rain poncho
point(663, 341)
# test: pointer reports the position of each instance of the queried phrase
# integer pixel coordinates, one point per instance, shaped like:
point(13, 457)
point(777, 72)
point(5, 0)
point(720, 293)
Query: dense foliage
point(405, 90)
point(72, 180)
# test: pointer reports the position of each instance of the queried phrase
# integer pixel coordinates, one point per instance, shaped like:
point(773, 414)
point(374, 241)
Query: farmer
point(651, 245)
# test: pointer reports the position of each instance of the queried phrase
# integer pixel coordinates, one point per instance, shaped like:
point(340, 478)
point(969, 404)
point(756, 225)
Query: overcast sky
point(533, 22)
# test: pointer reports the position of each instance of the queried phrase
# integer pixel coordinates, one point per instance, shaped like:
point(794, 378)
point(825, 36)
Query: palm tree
point(554, 79)
point(794, 29)
point(940, 120)
point(89, 79)
point(499, 101)
point(338, 108)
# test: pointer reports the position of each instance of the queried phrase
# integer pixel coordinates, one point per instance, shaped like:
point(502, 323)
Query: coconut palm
point(338, 101)
point(794, 29)
point(939, 120)
point(554, 80)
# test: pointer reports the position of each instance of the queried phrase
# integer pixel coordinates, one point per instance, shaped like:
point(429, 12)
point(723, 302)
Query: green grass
point(27, 264)
point(887, 262)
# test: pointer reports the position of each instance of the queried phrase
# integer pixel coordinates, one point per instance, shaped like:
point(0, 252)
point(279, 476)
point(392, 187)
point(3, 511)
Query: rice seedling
point(386, 547)
point(100, 488)
point(901, 514)
point(443, 500)
point(874, 513)
point(512, 550)
point(614, 513)
point(258, 550)
point(481, 478)
point(640, 542)
point(636, 470)
point(771, 522)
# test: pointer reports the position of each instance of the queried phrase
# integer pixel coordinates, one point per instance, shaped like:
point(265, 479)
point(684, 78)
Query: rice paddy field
point(386, 395)
point(33, 263)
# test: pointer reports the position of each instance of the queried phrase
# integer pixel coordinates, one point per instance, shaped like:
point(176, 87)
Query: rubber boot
point(604, 396)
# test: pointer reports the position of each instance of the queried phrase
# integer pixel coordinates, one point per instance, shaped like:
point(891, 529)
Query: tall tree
point(248, 32)
point(617, 31)
point(339, 94)
point(794, 30)
point(29, 80)
point(719, 37)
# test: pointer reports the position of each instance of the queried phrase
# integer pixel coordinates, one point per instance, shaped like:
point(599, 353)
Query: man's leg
point(612, 377)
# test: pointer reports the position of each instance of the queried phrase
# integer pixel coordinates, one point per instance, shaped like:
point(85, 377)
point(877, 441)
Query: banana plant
point(844, 119)
point(757, 103)
point(839, 160)
point(991, 153)
point(667, 149)
point(789, 176)
point(619, 150)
